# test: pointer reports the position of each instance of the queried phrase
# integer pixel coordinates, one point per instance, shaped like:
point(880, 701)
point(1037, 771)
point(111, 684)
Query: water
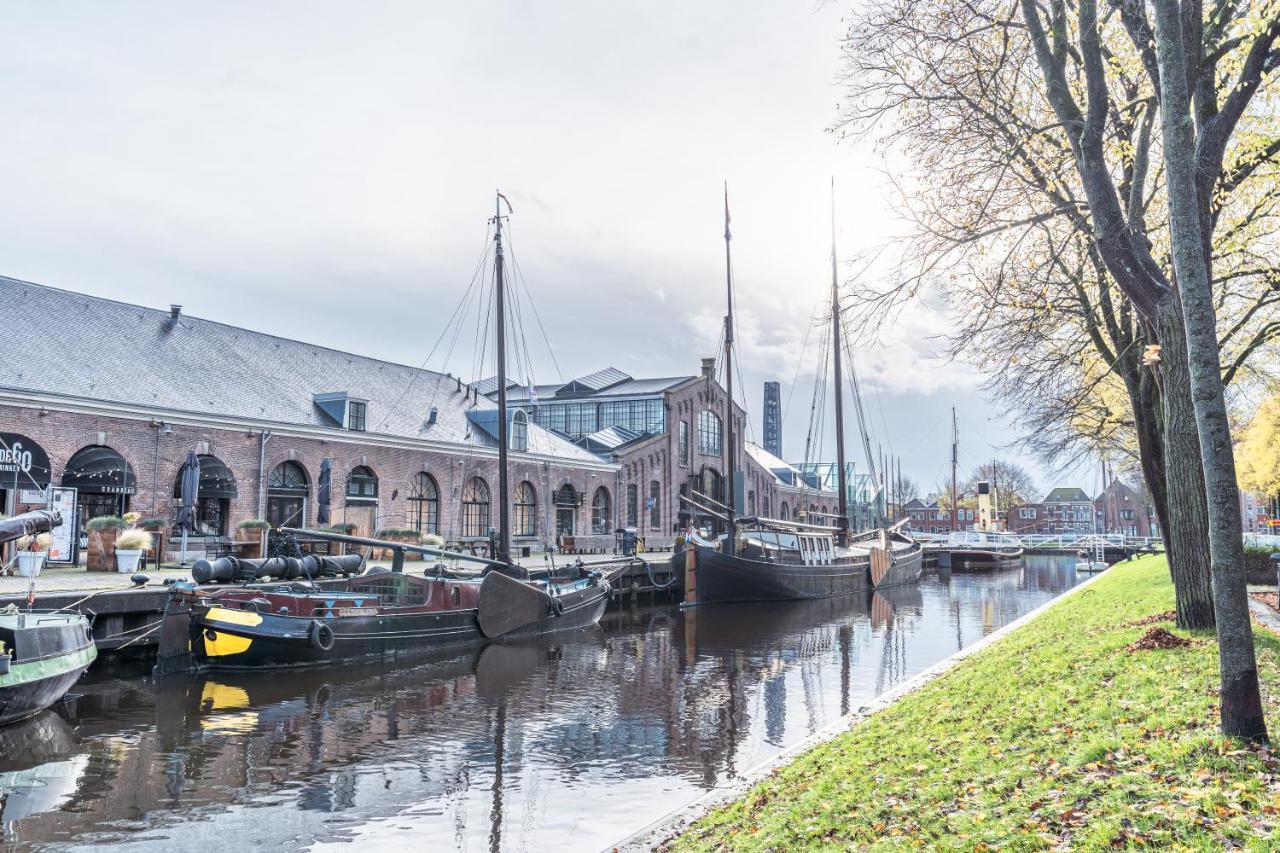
point(567, 745)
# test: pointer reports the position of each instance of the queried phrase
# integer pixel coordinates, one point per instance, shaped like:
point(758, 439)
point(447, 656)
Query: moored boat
point(46, 652)
point(978, 549)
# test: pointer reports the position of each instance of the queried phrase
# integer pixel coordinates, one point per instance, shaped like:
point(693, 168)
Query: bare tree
point(1013, 483)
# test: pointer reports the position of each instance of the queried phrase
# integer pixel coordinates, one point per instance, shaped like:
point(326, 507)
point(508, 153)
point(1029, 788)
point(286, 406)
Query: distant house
point(1120, 509)
point(930, 517)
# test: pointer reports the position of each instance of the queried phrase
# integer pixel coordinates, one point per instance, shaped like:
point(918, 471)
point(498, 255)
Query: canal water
point(567, 745)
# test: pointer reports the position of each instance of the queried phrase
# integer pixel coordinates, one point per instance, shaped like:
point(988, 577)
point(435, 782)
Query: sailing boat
point(379, 611)
point(768, 559)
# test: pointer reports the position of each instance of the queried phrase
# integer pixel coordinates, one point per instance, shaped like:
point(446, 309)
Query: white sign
point(63, 549)
point(31, 496)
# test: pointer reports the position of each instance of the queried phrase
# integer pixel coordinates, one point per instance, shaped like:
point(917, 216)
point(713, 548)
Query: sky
point(325, 171)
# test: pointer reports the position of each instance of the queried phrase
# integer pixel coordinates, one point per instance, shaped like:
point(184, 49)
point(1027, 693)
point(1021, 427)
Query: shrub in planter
point(153, 523)
point(129, 547)
point(407, 535)
point(102, 542)
point(32, 551)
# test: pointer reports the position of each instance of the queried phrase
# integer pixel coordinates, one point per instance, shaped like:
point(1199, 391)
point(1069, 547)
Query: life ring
point(321, 636)
point(557, 607)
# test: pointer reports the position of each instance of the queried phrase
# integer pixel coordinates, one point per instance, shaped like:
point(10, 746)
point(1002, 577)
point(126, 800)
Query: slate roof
point(74, 345)
point(1066, 494)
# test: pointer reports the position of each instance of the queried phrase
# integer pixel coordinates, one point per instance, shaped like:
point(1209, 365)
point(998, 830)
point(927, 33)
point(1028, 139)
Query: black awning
point(216, 480)
point(100, 470)
point(23, 462)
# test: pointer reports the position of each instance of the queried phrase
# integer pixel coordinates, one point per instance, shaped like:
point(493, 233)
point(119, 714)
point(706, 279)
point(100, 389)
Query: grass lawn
point(1055, 736)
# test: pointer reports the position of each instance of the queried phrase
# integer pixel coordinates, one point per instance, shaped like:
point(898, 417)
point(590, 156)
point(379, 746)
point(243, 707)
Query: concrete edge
point(677, 820)
point(1265, 616)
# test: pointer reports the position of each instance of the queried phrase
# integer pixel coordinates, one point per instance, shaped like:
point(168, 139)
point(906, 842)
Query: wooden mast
point(503, 548)
point(842, 523)
point(731, 544)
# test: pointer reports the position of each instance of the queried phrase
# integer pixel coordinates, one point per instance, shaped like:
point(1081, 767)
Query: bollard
point(1275, 558)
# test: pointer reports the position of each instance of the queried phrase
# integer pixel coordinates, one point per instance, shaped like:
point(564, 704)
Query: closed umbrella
point(322, 492)
point(188, 492)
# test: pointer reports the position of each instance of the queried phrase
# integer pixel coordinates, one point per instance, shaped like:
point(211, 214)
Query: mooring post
point(690, 573)
point(1275, 558)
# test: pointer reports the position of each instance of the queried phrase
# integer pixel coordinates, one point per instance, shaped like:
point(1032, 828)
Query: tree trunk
point(1239, 696)
point(1185, 542)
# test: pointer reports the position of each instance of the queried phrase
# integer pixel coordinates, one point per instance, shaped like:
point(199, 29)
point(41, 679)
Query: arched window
point(475, 508)
point(362, 486)
point(567, 502)
point(288, 488)
point(785, 512)
point(764, 506)
point(526, 510)
point(601, 511)
point(655, 505)
point(633, 505)
point(751, 502)
point(519, 440)
point(213, 499)
point(424, 503)
point(709, 433)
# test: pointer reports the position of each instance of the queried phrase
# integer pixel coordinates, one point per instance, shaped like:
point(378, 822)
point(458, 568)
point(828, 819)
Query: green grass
point(1054, 737)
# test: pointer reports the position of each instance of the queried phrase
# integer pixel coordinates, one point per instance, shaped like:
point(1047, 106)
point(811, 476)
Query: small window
point(682, 445)
point(356, 413)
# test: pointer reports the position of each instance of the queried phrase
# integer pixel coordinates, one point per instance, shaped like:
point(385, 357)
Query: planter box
point(127, 561)
point(102, 549)
point(408, 539)
point(30, 563)
point(251, 541)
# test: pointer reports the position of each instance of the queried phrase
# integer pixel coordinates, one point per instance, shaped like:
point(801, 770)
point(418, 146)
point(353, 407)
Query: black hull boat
point(769, 568)
point(46, 654)
point(375, 614)
point(979, 551)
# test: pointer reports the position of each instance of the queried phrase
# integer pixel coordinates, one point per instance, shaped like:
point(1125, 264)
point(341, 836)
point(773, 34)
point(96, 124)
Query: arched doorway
point(567, 502)
point(288, 488)
point(712, 484)
point(213, 498)
point(104, 480)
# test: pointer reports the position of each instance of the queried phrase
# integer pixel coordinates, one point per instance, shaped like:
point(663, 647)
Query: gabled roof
point(103, 350)
point(1066, 494)
point(583, 387)
point(594, 382)
point(611, 440)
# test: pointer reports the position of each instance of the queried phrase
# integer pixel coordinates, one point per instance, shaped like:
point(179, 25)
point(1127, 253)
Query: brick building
point(926, 516)
point(116, 396)
point(1118, 509)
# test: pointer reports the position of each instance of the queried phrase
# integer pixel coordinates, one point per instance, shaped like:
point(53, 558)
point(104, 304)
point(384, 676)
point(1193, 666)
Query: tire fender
point(321, 636)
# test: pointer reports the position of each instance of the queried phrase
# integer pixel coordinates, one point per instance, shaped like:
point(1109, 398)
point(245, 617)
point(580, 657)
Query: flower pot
point(127, 561)
point(5, 660)
point(30, 563)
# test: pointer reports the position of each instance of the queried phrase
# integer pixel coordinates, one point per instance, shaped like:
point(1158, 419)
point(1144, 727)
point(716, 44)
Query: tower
point(773, 418)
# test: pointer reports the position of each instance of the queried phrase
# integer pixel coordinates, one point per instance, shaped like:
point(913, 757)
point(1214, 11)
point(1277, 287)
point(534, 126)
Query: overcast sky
point(324, 170)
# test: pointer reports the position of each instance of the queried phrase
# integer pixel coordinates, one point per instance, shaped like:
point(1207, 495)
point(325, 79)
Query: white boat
point(978, 549)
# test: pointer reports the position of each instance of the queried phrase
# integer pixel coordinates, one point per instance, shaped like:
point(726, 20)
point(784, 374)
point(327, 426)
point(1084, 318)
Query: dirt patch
point(1267, 598)
point(1167, 616)
point(1158, 638)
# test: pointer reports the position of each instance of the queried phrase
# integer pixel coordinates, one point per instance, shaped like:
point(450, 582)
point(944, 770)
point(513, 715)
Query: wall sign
point(23, 463)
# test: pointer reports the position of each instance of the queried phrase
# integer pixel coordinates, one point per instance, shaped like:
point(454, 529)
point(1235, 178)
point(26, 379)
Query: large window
point(642, 416)
point(526, 510)
point(633, 505)
point(600, 511)
point(785, 512)
point(709, 433)
point(475, 508)
point(682, 445)
point(572, 419)
point(424, 503)
point(362, 485)
point(519, 439)
point(213, 499)
point(287, 490)
point(655, 505)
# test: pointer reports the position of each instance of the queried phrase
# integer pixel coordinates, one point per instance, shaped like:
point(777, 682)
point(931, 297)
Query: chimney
point(175, 311)
point(708, 369)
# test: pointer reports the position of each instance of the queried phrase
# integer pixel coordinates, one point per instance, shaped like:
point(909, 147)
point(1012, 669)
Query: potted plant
point(102, 542)
point(407, 535)
point(129, 547)
point(32, 551)
point(251, 533)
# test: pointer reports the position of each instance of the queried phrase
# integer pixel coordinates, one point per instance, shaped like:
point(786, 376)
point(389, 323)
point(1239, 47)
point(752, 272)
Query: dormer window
point(520, 431)
point(356, 413)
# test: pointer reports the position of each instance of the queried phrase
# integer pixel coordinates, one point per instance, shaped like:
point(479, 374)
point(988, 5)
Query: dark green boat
point(47, 653)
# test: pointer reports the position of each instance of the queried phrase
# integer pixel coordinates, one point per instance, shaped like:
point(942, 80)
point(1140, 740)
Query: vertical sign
point(66, 541)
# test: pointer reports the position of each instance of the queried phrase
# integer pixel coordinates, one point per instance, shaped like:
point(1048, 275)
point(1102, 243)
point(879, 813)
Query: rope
point(155, 628)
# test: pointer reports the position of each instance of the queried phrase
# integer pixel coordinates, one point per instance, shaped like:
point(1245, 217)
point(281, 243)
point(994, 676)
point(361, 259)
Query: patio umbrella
point(188, 491)
point(323, 487)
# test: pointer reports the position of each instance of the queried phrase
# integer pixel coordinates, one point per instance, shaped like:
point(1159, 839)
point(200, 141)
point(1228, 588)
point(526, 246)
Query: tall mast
point(499, 294)
point(731, 540)
point(842, 523)
point(955, 451)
